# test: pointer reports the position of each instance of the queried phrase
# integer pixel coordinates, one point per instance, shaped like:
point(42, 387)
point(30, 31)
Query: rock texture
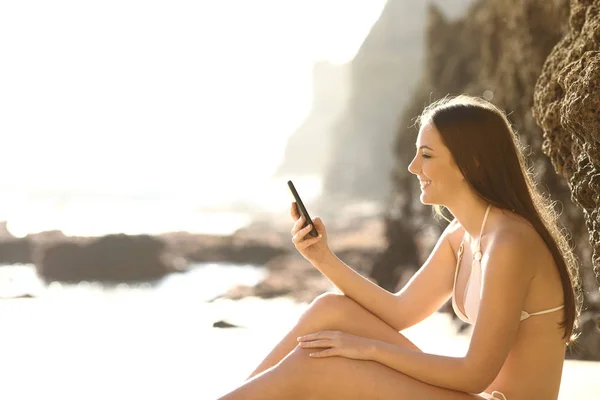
point(567, 107)
point(497, 51)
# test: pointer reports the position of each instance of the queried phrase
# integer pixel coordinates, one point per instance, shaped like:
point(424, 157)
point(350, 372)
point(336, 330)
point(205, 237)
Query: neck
point(469, 212)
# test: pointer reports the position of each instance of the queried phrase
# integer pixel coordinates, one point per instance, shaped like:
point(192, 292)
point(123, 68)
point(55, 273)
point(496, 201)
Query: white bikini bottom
point(494, 396)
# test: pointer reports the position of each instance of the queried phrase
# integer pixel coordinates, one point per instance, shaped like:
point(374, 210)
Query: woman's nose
point(412, 166)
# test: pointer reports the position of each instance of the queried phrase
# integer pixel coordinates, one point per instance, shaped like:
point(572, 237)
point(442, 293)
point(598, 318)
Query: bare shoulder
point(516, 232)
point(518, 240)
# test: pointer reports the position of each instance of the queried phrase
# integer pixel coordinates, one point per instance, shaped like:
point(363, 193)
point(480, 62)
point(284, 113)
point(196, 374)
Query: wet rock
point(109, 258)
point(224, 324)
point(356, 242)
point(16, 251)
point(236, 249)
point(289, 275)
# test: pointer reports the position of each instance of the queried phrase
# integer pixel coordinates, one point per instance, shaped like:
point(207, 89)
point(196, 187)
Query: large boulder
point(108, 258)
point(567, 107)
point(251, 246)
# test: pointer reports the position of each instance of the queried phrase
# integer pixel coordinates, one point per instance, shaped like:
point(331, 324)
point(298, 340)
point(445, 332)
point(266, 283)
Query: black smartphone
point(302, 210)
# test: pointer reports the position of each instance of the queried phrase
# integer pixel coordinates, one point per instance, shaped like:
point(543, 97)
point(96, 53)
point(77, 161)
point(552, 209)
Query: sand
point(148, 345)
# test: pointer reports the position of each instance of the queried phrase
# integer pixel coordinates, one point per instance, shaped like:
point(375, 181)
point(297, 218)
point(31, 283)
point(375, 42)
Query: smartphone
point(302, 210)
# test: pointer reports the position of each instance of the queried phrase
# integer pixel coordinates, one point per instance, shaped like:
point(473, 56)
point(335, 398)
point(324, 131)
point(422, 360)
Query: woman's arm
point(447, 372)
point(374, 298)
point(428, 289)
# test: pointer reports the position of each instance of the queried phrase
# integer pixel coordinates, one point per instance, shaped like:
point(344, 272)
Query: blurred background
point(145, 249)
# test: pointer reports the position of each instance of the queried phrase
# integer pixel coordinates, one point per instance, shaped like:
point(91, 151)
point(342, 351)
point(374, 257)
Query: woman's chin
point(425, 199)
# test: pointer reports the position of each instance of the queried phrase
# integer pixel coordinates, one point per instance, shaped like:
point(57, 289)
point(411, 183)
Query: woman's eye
point(425, 156)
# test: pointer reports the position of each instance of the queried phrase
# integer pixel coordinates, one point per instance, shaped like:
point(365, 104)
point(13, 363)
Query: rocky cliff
point(567, 107)
point(350, 129)
point(308, 149)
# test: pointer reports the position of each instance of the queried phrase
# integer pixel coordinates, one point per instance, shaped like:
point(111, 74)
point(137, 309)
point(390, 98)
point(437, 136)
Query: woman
point(502, 259)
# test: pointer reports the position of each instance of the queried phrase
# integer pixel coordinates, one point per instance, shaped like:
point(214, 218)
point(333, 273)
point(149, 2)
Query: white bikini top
point(472, 295)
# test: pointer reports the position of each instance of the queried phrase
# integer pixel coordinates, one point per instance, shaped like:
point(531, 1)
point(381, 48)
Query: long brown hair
point(487, 151)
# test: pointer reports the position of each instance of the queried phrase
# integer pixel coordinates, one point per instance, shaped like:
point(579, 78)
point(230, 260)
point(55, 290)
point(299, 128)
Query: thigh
point(339, 312)
point(335, 378)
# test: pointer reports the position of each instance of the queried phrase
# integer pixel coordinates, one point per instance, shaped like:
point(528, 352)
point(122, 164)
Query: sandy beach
point(149, 344)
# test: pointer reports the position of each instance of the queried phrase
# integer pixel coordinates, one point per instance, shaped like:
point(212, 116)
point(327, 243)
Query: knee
point(330, 307)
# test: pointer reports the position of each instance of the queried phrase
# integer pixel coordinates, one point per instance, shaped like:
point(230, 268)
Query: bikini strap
point(477, 254)
point(525, 314)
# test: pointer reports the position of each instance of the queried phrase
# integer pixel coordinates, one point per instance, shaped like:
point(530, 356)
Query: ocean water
point(217, 210)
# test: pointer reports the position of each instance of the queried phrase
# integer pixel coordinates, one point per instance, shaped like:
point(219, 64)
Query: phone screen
point(302, 210)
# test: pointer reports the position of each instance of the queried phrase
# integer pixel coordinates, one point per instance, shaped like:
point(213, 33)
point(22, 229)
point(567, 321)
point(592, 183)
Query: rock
point(356, 242)
point(108, 258)
point(24, 296)
point(126, 256)
point(235, 249)
point(16, 251)
point(224, 324)
point(567, 107)
point(289, 275)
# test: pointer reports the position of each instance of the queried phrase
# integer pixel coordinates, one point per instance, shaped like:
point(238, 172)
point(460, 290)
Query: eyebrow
point(425, 147)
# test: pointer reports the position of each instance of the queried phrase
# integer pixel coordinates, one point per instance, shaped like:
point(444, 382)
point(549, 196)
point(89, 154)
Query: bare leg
point(299, 376)
point(292, 374)
point(336, 312)
point(282, 381)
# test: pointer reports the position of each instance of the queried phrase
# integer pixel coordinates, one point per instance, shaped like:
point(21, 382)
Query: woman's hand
point(314, 249)
point(339, 344)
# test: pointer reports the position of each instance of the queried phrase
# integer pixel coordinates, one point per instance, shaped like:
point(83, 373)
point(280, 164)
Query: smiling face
point(434, 165)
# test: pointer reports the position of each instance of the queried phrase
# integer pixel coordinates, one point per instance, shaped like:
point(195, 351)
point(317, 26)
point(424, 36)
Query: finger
point(309, 242)
point(298, 225)
point(294, 211)
point(310, 336)
point(301, 234)
point(316, 343)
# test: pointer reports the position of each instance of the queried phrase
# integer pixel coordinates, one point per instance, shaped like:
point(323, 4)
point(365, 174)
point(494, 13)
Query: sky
point(193, 98)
